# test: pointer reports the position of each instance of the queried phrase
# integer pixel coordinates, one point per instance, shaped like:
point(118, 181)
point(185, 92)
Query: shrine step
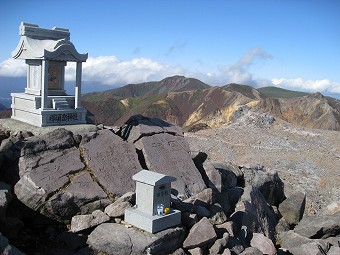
point(60, 103)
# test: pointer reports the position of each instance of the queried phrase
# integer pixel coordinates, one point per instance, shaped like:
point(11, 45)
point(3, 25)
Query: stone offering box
point(153, 195)
point(45, 103)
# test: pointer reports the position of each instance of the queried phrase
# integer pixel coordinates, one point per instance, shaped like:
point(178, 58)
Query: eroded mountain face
point(189, 102)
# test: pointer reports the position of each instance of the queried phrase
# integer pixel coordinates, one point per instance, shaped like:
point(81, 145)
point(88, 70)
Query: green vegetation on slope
point(276, 92)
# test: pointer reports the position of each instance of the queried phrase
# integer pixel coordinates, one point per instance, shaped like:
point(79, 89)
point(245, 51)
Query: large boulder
point(112, 162)
point(34, 188)
point(310, 248)
point(265, 180)
point(321, 226)
point(111, 238)
point(62, 175)
point(298, 244)
point(334, 251)
point(293, 207)
point(163, 149)
point(221, 176)
point(168, 154)
point(253, 215)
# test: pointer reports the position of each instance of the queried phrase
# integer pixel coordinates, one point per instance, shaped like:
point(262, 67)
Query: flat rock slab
point(76, 197)
point(85, 188)
point(112, 161)
point(298, 244)
point(61, 180)
point(53, 176)
point(39, 183)
point(116, 239)
point(169, 155)
point(321, 226)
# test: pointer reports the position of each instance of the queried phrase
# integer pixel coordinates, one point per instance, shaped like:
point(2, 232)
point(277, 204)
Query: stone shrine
point(45, 102)
point(152, 211)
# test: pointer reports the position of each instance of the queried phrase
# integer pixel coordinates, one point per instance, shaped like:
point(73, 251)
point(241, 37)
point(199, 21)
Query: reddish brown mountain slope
point(313, 111)
point(188, 102)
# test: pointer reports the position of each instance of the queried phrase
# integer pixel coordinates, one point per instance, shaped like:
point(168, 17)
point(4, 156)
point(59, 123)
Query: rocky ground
point(307, 160)
point(241, 189)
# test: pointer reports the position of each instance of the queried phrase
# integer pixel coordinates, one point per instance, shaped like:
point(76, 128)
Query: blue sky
point(293, 44)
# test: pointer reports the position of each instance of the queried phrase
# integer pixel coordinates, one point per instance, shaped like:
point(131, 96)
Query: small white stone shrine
point(45, 103)
point(152, 211)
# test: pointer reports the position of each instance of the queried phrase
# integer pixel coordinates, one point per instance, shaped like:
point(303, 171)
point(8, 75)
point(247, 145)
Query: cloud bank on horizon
point(114, 72)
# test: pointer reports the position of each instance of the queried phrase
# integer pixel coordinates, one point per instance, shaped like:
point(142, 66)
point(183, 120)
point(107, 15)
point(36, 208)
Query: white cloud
point(13, 68)
point(250, 57)
point(239, 72)
point(323, 86)
point(110, 70)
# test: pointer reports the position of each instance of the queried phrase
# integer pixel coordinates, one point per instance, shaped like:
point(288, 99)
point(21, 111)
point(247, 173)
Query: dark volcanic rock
point(293, 207)
point(254, 215)
point(267, 181)
point(168, 154)
point(229, 174)
point(301, 245)
point(263, 243)
point(139, 126)
point(322, 226)
point(38, 184)
point(114, 238)
point(61, 180)
point(81, 222)
point(112, 161)
point(163, 149)
point(201, 234)
point(77, 197)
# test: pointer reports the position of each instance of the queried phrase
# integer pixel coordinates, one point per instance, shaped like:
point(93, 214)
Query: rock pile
point(67, 193)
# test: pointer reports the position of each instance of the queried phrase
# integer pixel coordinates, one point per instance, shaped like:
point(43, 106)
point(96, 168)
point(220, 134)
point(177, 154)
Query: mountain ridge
point(188, 102)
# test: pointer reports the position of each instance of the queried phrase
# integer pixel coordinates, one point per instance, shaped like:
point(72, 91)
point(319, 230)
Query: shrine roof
point(41, 43)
